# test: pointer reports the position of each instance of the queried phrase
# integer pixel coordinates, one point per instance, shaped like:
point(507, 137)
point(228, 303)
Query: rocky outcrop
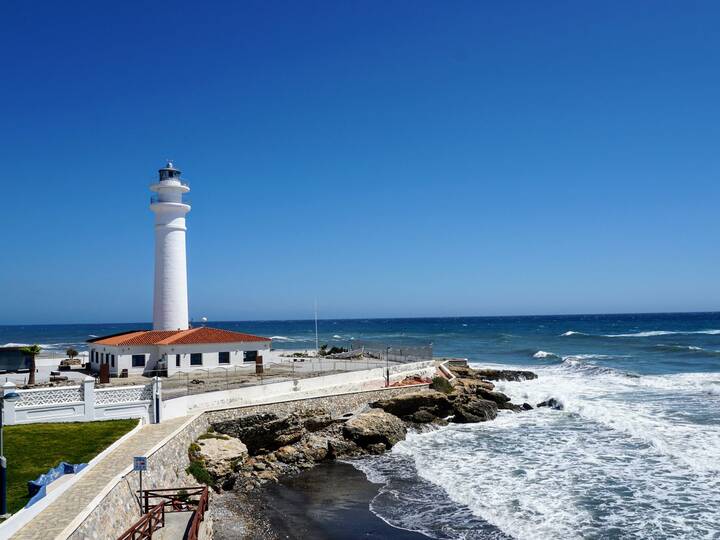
point(504, 375)
point(265, 432)
point(274, 445)
point(474, 410)
point(466, 384)
point(375, 427)
point(419, 407)
point(221, 454)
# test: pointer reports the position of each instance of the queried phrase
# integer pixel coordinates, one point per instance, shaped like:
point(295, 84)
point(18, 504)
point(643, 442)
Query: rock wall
point(119, 509)
point(336, 405)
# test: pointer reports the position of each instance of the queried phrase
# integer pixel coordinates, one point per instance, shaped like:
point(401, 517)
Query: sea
point(633, 453)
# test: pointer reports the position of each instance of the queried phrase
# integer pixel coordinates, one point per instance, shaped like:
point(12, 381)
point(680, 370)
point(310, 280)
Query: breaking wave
point(648, 333)
point(545, 354)
point(285, 339)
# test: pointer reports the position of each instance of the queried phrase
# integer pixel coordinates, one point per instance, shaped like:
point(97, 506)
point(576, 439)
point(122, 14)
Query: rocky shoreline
point(245, 453)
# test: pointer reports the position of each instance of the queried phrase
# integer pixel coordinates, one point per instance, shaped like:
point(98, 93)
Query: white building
point(172, 346)
point(149, 351)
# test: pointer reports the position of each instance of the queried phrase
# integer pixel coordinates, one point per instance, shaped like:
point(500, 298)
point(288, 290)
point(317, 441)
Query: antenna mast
point(317, 343)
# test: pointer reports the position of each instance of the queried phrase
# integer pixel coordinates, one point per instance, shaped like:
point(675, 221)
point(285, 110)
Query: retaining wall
point(117, 508)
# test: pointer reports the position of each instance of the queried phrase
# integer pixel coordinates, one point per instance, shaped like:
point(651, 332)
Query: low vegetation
point(32, 449)
point(441, 384)
point(197, 465)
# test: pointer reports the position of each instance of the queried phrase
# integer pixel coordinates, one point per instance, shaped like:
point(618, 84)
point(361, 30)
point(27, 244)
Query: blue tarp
point(37, 488)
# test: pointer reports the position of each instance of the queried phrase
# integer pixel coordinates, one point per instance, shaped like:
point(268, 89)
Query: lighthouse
point(171, 346)
point(170, 301)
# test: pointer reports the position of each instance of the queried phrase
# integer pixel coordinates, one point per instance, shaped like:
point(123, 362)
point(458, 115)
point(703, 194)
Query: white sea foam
point(336, 336)
point(286, 339)
point(623, 459)
point(545, 354)
point(651, 333)
point(648, 333)
point(44, 346)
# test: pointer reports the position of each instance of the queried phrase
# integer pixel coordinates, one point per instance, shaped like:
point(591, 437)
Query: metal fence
point(398, 353)
point(291, 368)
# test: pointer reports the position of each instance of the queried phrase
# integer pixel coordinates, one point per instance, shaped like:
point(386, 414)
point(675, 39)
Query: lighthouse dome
point(169, 172)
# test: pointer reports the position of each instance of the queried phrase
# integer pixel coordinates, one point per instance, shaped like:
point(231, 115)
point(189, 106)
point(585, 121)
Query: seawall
point(116, 507)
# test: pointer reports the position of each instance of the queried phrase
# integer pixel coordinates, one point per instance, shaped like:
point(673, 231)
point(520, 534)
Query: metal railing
point(393, 352)
point(200, 381)
point(156, 199)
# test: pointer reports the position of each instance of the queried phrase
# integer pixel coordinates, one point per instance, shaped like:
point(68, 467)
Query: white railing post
point(156, 405)
point(8, 407)
point(89, 398)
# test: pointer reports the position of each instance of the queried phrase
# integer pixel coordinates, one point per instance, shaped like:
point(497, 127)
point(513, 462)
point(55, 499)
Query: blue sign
point(139, 463)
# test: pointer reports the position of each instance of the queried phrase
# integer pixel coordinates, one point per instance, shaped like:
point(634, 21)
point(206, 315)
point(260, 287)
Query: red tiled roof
point(193, 336)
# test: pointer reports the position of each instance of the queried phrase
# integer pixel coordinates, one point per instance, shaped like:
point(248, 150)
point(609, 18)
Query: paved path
point(176, 525)
point(60, 513)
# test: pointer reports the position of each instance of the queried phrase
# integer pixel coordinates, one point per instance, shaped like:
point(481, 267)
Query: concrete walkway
point(59, 514)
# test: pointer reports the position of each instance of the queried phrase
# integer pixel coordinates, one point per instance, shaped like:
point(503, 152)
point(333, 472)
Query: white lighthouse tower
point(170, 302)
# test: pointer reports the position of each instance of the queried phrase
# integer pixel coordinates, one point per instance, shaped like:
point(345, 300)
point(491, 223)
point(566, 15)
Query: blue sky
point(389, 158)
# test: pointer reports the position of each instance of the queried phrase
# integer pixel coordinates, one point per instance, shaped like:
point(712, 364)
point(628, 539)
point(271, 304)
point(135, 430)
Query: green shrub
point(212, 436)
point(200, 473)
point(441, 384)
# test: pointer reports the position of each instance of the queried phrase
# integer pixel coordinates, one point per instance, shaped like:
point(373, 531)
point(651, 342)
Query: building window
point(138, 360)
point(249, 356)
point(112, 360)
point(177, 360)
point(196, 359)
point(102, 358)
point(224, 358)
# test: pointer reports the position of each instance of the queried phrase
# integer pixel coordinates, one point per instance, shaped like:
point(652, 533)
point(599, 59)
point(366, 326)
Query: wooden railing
point(174, 500)
point(146, 525)
point(191, 499)
point(198, 516)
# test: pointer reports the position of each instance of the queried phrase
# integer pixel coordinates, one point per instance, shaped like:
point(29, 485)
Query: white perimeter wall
point(353, 381)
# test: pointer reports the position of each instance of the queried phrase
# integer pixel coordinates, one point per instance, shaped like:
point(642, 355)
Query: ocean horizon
point(632, 454)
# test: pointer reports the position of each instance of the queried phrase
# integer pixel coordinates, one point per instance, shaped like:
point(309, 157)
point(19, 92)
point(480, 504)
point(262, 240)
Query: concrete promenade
point(60, 513)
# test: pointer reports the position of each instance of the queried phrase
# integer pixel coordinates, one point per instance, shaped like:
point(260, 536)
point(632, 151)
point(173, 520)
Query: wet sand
point(328, 502)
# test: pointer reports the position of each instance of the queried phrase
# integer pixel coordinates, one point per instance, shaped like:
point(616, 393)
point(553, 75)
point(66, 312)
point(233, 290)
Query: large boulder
point(474, 410)
point(314, 447)
point(221, 455)
point(421, 407)
point(373, 427)
point(263, 432)
point(498, 397)
point(552, 403)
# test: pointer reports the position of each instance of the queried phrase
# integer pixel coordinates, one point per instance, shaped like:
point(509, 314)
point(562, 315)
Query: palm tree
point(32, 351)
point(72, 353)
